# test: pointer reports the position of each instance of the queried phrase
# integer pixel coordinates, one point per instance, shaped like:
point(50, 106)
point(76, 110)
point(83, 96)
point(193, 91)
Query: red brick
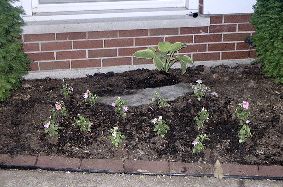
point(102, 34)
point(252, 54)
point(62, 55)
point(246, 27)
point(54, 65)
point(30, 47)
point(107, 165)
point(235, 37)
point(241, 170)
point(39, 37)
point(206, 56)
point(183, 39)
point(102, 53)
point(86, 63)
point(141, 166)
point(119, 42)
point(139, 61)
point(242, 46)
point(222, 28)
point(133, 33)
point(18, 160)
point(71, 36)
point(51, 46)
point(216, 19)
point(193, 30)
point(190, 168)
point(270, 171)
point(235, 55)
point(221, 47)
point(34, 66)
point(57, 162)
point(194, 48)
point(207, 38)
point(163, 31)
point(88, 44)
point(128, 51)
point(237, 18)
point(148, 41)
point(116, 61)
point(41, 56)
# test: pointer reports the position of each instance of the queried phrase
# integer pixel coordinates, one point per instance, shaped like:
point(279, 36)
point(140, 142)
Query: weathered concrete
point(39, 178)
point(144, 96)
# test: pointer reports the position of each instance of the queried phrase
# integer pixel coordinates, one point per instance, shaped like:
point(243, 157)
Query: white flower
point(46, 125)
point(195, 142)
point(203, 109)
point(113, 104)
point(125, 108)
point(248, 121)
point(114, 133)
point(154, 120)
point(214, 94)
point(58, 106)
point(160, 118)
point(199, 81)
point(71, 89)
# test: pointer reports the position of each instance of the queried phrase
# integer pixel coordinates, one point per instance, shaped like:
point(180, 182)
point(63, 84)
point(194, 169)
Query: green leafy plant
point(268, 21)
point(83, 123)
point(242, 113)
point(198, 143)
point(120, 107)
point(200, 90)
point(201, 118)
point(90, 98)
point(159, 101)
point(13, 61)
point(160, 126)
point(116, 137)
point(164, 56)
point(66, 90)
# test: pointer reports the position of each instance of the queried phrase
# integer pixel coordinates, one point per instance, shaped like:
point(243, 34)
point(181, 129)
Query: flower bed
point(89, 129)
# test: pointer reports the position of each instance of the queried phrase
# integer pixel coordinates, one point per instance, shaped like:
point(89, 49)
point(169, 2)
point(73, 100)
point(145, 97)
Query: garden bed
point(23, 115)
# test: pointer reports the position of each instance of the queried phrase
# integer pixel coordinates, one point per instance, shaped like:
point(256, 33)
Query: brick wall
point(222, 40)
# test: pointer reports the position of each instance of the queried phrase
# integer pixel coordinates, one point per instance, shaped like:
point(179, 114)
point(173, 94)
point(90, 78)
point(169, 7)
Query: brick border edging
point(59, 163)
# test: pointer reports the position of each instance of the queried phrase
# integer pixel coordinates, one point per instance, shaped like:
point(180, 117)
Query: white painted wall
point(228, 6)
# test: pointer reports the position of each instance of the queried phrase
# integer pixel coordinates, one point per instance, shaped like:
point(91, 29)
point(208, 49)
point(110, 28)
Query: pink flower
point(195, 142)
point(46, 125)
point(58, 106)
point(125, 108)
point(245, 105)
point(113, 104)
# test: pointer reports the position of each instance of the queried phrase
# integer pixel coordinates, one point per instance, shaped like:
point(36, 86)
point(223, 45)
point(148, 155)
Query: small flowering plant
point(116, 137)
point(120, 107)
point(90, 98)
point(198, 143)
point(51, 128)
point(201, 118)
point(60, 108)
point(159, 101)
point(242, 113)
point(200, 90)
point(161, 128)
point(66, 90)
point(83, 123)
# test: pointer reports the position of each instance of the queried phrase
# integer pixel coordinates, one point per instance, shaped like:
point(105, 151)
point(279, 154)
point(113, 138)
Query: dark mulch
point(23, 115)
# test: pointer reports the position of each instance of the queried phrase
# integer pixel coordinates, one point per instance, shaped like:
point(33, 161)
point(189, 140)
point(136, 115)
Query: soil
point(23, 115)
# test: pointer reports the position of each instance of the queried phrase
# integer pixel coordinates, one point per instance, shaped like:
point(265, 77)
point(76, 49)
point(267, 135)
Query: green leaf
point(164, 47)
point(177, 46)
point(184, 61)
point(146, 53)
point(158, 63)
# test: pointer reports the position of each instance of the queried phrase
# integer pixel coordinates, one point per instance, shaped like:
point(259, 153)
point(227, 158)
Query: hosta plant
point(160, 126)
point(242, 113)
point(116, 137)
point(164, 56)
point(83, 123)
